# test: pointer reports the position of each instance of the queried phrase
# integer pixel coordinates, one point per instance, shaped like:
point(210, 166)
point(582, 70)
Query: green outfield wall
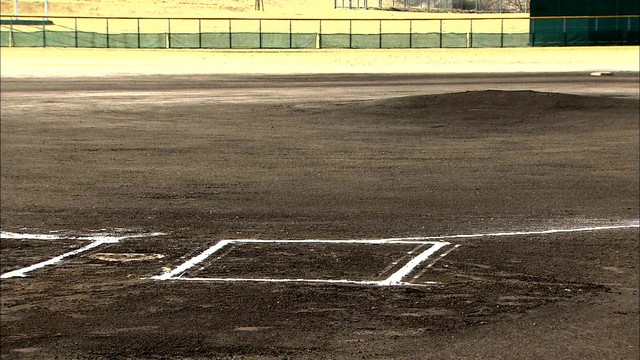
point(585, 22)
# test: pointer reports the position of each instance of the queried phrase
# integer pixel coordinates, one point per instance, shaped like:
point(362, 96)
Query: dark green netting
point(486, 40)
point(396, 41)
point(304, 41)
point(335, 41)
point(222, 40)
point(216, 40)
point(92, 40)
point(4, 38)
point(365, 41)
point(245, 40)
point(153, 41)
point(276, 41)
point(184, 40)
point(61, 38)
point(495, 40)
point(515, 40)
point(28, 39)
point(454, 40)
point(127, 40)
point(288, 41)
point(428, 40)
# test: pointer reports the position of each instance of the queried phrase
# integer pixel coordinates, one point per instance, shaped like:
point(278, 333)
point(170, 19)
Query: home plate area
point(383, 262)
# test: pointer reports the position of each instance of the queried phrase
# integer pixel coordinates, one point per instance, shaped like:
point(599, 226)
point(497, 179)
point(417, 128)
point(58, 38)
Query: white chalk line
point(426, 268)
point(518, 233)
point(328, 281)
point(97, 240)
point(394, 280)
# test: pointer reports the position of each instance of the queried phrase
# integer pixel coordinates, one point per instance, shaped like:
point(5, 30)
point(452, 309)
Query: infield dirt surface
point(206, 158)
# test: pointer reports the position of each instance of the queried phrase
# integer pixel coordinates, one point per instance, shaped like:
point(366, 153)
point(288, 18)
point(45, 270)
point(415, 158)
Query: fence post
point(230, 36)
point(440, 33)
point(410, 33)
point(44, 34)
point(380, 30)
point(11, 33)
point(320, 35)
point(107, 20)
point(471, 33)
point(138, 33)
point(290, 35)
point(501, 32)
point(260, 33)
point(350, 41)
point(199, 33)
point(168, 33)
point(75, 29)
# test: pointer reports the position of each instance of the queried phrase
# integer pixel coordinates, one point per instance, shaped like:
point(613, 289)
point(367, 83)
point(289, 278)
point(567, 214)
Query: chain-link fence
point(439, 6)
point(214, 33)
point(240, 33)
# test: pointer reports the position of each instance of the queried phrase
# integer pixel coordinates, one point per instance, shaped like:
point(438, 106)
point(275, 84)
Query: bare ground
point(297, 157)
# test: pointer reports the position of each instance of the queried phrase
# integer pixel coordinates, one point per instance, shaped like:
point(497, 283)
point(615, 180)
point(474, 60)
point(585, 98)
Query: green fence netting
point(92, 39)
point(248, 40)
point(515, 40)
point(428, 40)
point(60, 38)
point(4, 38)
point(583, 32)
point(335, 41)
point(396, 41)
point(153, 41)
point(488, 40)
point(28, 39)
point(245, 40)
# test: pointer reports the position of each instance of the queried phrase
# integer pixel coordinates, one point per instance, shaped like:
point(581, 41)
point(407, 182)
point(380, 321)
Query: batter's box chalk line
point(395, 279)
point(96, 240)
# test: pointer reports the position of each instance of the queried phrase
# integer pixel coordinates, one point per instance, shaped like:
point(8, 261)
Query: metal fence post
point(290, 35)
point(320, 35)
point(380, 31)
point(107, 20)
point(169, 33)
point(230, 36)
point(501, 32)
point(260, 33)
point(350, 41)
point(44, 34)
point(440, 33)
point(75, 27)
point(138, 33)
point(471, 33)
point(410, 33)
point(199, 33)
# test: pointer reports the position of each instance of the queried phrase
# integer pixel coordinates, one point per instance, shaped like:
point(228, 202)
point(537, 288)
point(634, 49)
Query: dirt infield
point(206, 158)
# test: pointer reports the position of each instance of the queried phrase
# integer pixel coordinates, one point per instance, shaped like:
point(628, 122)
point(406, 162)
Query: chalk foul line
point(395, 279)
point(96, 240)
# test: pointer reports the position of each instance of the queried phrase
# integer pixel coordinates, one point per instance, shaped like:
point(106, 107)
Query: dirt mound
point(498, 99)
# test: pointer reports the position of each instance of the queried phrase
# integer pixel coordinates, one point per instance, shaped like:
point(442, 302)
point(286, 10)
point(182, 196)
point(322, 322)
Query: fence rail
point(276, 33)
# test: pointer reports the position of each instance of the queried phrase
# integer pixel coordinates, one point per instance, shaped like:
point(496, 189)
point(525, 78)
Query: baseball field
point(319, 204)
